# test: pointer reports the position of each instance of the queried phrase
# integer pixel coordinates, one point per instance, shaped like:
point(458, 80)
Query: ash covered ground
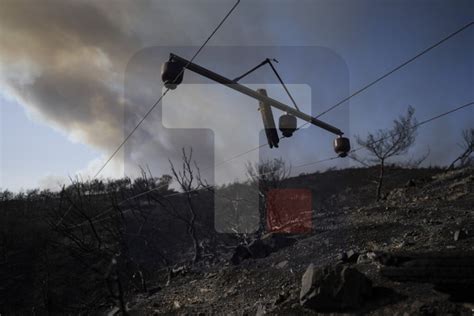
point(414, 249)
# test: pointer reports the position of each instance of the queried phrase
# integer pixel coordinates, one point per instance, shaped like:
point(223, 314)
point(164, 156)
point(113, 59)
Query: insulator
point(287, 124)
point(172, 74)
point(342, 146)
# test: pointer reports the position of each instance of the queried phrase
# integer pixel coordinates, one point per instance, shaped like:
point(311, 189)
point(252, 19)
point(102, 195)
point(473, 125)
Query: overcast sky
point(76, 75)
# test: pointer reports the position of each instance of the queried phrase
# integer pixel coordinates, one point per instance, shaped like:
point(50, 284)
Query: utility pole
point(268, 121)
point(172, 76)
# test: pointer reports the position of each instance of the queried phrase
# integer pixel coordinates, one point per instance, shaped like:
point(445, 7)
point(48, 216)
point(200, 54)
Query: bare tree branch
point(387, 143)
point(467, 147)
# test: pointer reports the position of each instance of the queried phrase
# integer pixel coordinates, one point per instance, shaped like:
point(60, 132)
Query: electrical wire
point(95, 219)
point(370, 84)
point(426, 50)
point(321, 114)
point(157, 101)
point(419, 124)
point(167, 89)
point(330, 108)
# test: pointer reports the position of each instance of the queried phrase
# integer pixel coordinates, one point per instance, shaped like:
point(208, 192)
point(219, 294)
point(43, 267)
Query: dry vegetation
point(140, 247)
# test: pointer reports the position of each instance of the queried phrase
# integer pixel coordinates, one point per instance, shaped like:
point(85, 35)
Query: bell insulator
point(342, 146)
point(287, 125)
point(171, 74)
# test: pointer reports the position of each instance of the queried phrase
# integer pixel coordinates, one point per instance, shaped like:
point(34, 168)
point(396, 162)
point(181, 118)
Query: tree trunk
point(461, 157)
point(262, 209)
point(381, 174)
point(123, 306)
point(192, 231)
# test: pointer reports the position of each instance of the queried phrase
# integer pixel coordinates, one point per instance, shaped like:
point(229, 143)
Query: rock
point(352, 256)
point(348, 256)
point(367, 257)
point(460, 234)
point(456, 235)
point(259, 249)
point(261, 310)
point(282, 296)
point(240, 254)
point(282, 264)
point(342, 257)
point(334, 288)
point(277, 241)
point(114, 311)
point(176, 305)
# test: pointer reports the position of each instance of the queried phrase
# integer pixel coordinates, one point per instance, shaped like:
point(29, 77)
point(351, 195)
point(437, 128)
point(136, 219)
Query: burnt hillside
point(144, 244)
point(427, 214)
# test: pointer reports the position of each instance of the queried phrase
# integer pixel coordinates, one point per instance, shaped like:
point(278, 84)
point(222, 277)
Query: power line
point(95, 219)
point(238, 156)
point(157, 101)
point(321, 114)
point(420, 123)
point(363, 88)
point(298, 166)
point(383, 138)
point(316, 162)
point(167, 89)
point(318, 116)
point(426, 50)
point(109, 209)
point(444, 114)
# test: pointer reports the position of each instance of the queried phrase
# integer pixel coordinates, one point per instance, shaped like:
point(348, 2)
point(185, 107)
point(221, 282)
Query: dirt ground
point(429, 214)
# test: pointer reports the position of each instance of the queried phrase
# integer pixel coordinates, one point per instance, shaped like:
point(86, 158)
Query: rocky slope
point(428, 217)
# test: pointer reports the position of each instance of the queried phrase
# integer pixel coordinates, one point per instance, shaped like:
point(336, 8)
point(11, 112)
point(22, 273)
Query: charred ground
point(421, 215)
point(424, 212)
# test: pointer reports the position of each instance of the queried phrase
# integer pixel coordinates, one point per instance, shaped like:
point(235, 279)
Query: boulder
point(368, 257)
point(460, 234)
point(261, 248)
point(342, 257)
point(352, 256)
point(348, 257)
point(277, 241)
point(334, 288)
point(241, 253)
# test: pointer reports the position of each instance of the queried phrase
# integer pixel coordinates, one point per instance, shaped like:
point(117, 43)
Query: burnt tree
point(467, 147)
point(189, 181)
point(386, 143)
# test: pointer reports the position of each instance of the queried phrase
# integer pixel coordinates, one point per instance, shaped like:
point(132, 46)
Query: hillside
point(426, 214)
point(58, 249)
